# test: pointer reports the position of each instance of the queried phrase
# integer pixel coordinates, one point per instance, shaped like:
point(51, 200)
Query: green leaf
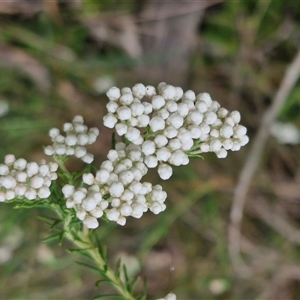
point(102, 252)
point(55, 223)
point(90, 267)
point(47, 218)
point(53, 237)
point(127, 280)
point(98, 282)
point(118, 268)
point(79, 250)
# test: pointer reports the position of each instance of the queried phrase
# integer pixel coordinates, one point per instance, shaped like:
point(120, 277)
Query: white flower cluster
point(170, 296)
point(19, 178)
point(78, 135)
point(172, 124)
point(116, 189)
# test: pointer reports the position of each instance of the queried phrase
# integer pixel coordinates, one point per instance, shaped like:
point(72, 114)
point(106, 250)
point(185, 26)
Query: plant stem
point(85, 243)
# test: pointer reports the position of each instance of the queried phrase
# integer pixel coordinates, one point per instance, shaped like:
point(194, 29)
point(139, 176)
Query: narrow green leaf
point(55, 223)
point(132, 283)
point(89, 267)
point(47, 218)
point(102, 252)
point(118, 268)
point(79, 250)
point(98, 282)
point(127, 279)
point(61, 236)
point(50, 238)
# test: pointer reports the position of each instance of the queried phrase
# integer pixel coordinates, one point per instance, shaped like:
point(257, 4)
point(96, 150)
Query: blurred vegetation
point(58, 58)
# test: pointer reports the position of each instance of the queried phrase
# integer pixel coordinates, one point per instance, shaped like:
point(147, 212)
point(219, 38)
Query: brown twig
point(252, 162)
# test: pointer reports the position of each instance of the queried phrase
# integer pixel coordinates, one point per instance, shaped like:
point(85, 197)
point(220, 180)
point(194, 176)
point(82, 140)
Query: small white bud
point(160, 140)
point(236, 116)
point(90, 222)
point(44, 192)
point(195, 117)
point(156, 124)
point(49, 150)
point(54, 132)
point(168, 92)
point(222, 153)
point(165, 171)
point(60, 149)
point(71, 140)
point(37, 182)
point(163, 154)
point(222, 113)
point(68, 190)
point(132, 134)
point(80, 152)
point(110, 120)
point(126, 177)
point(210, 117)
point(113, 93)
point(4, 170)
point(89, 204)
point(31, 194)
point(20, 164)
point(88, 158)
point(137, 109)
point(88, 178)
point(204, 97)
point(143, 121)
point(183, 109)
point(116, 189)
point(79, 195)
point(124, 113)
point(147, 108)
point(215, 145)
point(9, 159)
point(112, 106)
point(151, 161)
point(178, 93)
point(158, 102)
point(148, 147)
point(240, 130)
point(139, 90)
point(113, 214)
point(226, 131)
point(126, 99)
point(137, 210)
point(175, 120)
point(189, 95)
point(170, 132)
point(150, 91)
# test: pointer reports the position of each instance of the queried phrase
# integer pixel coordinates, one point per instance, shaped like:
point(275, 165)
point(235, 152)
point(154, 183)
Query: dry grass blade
point(11, 57)
point(277, 289)
point(116, 29)
point(252, 163)
point(26, 7)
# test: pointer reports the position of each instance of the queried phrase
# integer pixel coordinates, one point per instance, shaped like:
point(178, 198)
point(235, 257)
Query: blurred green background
point(58, 58)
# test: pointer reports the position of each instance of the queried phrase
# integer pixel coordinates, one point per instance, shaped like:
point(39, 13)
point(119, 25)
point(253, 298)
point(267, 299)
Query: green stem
point(85, 243)
point(64, 169)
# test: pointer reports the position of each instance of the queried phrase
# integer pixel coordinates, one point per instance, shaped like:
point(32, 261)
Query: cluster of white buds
point(78, 135)
point(19, 178)
point(170, 125)
point(116, 190)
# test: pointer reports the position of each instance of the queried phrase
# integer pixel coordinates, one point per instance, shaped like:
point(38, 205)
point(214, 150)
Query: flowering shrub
point(160, 128)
